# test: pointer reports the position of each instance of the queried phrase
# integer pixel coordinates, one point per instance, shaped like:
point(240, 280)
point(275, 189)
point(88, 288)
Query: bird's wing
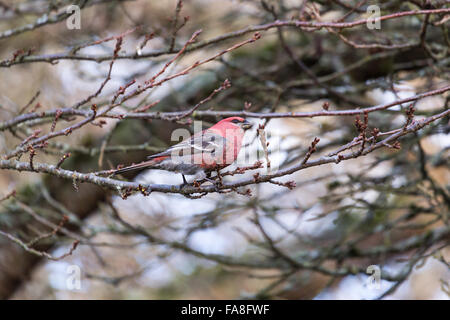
point(205, 142)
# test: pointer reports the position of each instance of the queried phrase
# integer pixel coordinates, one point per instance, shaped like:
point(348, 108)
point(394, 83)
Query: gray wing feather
point(206, 142)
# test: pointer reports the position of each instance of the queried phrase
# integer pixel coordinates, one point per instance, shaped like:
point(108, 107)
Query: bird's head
point(235, 123)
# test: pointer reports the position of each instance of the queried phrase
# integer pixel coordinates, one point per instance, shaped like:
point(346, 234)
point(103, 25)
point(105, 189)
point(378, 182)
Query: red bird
point(211, 149)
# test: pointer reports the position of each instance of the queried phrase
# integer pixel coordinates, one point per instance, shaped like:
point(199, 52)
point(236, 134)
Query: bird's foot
point(216, 183)
point(202, 178)
point(196, 183)
point(185, 183)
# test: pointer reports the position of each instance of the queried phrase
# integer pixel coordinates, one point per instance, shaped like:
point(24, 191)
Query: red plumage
point(214, 148)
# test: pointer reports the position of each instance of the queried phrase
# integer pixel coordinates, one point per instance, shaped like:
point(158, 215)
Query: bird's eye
point(235, 121)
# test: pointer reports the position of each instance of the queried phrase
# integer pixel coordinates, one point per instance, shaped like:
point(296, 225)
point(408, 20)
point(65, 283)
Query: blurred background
point(314, 239)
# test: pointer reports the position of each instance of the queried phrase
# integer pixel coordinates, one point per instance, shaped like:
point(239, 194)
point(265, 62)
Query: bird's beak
point(246, 125)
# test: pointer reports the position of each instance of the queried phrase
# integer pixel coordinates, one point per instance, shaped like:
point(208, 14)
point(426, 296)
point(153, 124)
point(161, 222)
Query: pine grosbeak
point(212, 149)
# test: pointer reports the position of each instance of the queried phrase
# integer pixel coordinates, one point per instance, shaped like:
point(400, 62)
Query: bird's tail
point(142, 165)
